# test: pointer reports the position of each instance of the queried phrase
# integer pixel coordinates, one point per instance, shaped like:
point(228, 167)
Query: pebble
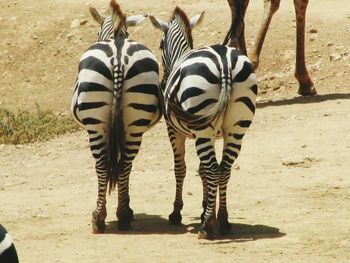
point(75, 23)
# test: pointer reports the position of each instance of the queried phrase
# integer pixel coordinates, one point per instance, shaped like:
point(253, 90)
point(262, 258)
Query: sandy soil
point(288, 195)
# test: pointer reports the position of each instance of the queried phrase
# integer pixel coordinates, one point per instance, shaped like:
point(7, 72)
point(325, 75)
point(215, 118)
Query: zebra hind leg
point(178, 144)
point(222, 216)
point(206, 151)
point(102, 169)
point(201, 172)
point(124, 213)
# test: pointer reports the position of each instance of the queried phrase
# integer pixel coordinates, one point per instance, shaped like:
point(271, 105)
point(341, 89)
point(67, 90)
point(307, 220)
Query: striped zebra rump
point(195, 107)
point(116, 91)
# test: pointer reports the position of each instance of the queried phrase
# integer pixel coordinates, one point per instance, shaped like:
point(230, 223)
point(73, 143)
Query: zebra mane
point(180, 16)
point(118, 12)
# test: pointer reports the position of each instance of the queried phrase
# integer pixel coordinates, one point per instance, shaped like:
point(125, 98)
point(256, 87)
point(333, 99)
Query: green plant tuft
point(27, 127)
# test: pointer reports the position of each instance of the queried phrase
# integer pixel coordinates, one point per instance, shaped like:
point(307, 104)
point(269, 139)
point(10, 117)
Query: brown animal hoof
point(307, 90)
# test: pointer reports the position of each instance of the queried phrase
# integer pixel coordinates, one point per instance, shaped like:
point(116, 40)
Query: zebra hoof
point(206, 232)
point(98, 225)
point(124, 225)
point(224, 228)
point(175, 218)
point(224, 225)
point(130, 214)
point(125, 217)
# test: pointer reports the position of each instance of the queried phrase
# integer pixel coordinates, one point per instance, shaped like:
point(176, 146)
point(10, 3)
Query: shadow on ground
point(147, 224)
point(243, 233)
point(304, 100)
point(144, 224)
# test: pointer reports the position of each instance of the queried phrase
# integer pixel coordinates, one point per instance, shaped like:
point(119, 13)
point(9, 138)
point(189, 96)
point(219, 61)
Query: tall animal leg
point(129, 152)
point(201, 172)
point(206, 152)
point(178, 144)
point(99, 151)
point(270, 7)
point(238, 8)
point(306, 87)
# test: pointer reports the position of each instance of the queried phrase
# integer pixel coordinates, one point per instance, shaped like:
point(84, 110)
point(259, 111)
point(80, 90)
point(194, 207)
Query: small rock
point(70, 35)
point(236, 167)
point(83, 22)
point(313, 31)
point(75, 23)
point(334, 57)
point(313, 37)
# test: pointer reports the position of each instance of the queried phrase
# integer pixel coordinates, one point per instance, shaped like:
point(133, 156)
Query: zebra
point(208, 93)
point(8, 251)
point(116, 99)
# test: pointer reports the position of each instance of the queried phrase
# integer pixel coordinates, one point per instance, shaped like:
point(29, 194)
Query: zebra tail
point(116, 139)
point(237, 20)
point(226, 85)
point(220, 106)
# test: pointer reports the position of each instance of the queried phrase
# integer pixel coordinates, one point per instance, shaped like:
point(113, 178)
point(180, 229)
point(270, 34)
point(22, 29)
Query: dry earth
point(288, 196)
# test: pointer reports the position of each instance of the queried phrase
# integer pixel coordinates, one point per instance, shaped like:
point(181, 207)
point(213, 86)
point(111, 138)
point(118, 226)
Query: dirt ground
point(289, 193)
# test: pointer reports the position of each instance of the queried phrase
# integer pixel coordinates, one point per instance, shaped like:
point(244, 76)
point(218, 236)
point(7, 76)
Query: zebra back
point(115, 76)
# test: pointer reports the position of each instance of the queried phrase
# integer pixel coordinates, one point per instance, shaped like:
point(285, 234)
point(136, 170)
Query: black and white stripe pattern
point(116, 99)
point(208, 93)
point(8, 251)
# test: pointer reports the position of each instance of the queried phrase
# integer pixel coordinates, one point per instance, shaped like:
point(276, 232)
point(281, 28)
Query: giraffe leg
point(178, 144)
point(306, 87)
point(206, 152)
point(124, 213)
point(99, 152)
point(238, 40)
point(270, 7)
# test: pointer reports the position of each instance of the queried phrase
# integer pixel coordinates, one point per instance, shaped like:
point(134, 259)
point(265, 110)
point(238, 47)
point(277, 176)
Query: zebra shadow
point(241, 233)
point(147, 224)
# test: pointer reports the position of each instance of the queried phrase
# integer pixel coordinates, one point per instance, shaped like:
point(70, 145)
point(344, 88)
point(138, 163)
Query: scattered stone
point(313, 37)
point(236, 167)
point(304, 146)
point(70, 35)
point(83, 22)
point(75, 23)
point(334, 57)
point(313, 31)
point(306, 162)
point(330, 44)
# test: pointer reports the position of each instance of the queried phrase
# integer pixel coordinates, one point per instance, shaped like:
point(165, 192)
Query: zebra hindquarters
point(140, 111)
point(92, 110)
point(237, 119)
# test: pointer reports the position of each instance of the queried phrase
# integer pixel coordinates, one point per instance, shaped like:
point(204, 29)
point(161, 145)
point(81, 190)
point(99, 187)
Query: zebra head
point(177, 39)
point(115, 24)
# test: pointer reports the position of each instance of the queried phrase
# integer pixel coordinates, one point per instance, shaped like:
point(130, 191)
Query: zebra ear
point(96, 15)
point(196, 19)
point(158, 23)
point(134, 20)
